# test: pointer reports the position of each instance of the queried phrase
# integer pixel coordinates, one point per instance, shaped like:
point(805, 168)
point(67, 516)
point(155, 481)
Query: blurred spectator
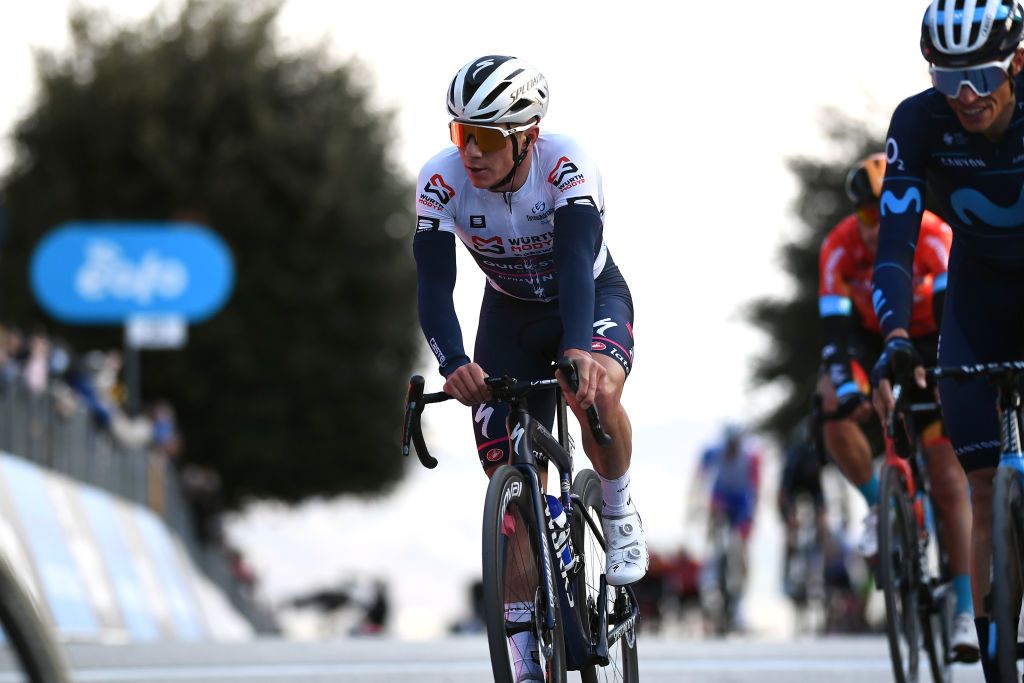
point(166, 437)
point(474, 621)
point(36, 372)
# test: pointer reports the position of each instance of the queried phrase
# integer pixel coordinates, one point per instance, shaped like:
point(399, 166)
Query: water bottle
point(558, 528)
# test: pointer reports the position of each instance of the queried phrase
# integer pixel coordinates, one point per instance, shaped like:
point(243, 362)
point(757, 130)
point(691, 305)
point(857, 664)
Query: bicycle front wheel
point(1007, 537)
point(24, 628)
point(515, 599)
point(898, 573)
point(622, 656)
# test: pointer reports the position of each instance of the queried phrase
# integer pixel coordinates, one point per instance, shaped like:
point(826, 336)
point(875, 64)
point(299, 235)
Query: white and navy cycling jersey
point(511, 235)
point(542, 243)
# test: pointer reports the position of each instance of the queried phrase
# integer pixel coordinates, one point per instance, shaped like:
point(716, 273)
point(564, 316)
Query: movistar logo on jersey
point(890, 203)
point(967, 200)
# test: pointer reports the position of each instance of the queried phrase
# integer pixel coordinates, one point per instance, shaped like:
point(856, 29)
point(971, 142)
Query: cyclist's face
point(484, 169)
point(867, 226)
point(988, 115)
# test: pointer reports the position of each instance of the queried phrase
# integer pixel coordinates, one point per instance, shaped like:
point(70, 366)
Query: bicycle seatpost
point(568, 369)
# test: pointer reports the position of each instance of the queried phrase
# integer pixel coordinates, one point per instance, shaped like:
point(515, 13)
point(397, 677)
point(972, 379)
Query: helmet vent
point(519, 106)
point(502, 87)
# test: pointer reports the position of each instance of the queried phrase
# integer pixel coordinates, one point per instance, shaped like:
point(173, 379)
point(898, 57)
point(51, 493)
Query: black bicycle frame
point(532, 447)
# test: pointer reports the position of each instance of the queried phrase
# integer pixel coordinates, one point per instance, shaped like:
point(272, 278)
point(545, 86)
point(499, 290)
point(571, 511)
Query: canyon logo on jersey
point(565, 174)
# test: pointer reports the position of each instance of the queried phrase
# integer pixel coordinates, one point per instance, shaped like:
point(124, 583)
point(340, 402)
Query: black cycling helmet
point(864, 181)
point(990, 32)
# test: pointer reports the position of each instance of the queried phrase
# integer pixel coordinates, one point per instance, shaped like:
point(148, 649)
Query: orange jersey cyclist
point(852, 336)
point(529, 207)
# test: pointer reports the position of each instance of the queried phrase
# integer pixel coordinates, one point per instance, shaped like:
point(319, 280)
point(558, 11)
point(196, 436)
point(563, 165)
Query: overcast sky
point(689, 109)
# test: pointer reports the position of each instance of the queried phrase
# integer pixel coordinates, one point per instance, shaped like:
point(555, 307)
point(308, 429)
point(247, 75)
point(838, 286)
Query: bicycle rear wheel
point(898, 573)
point(622, 656)
point(935, 635)
point(513, 574)
point(937, 624)
point(1007, 537)
point(24, 628)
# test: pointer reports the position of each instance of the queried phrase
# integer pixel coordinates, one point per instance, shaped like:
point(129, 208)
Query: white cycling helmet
point(959, 33)
point(498, 89)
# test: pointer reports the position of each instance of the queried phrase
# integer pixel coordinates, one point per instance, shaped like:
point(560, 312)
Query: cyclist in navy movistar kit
point(963, 141)
point(530, 209)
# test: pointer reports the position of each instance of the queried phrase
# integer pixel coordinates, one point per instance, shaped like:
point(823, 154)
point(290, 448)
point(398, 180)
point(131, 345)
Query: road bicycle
point(578, 621)
point(913, 563)
point(803, 569)
point(26, 633)
point(1003, 602)
point(723, 576)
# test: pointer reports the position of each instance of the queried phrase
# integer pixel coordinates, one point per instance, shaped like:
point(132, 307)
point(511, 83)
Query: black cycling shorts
point(521, 339)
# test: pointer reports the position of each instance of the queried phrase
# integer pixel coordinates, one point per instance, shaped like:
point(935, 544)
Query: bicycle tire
point(1007, 536)
point(935, 627)
point(506, 560)
point(897, 572)
point(24, 628)
point(937, 622)
point(623, 664)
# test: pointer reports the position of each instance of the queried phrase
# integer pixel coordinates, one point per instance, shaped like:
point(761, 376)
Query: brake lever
point(567, 367)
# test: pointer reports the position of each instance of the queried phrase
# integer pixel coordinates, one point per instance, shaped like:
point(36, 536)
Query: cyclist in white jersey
point(530, 209)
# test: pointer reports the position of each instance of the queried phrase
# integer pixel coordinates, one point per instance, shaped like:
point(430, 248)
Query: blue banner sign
point(93, 273)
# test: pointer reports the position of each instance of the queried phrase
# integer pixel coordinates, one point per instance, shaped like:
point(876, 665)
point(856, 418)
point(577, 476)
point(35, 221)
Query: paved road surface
point(461, 660)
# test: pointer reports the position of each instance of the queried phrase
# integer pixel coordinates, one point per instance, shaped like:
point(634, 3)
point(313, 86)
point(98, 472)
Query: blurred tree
point(294, 389)
point(792, 324)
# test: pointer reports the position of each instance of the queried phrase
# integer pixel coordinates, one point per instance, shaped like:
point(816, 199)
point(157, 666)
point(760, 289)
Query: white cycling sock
point(615, 493)
point(524, 644)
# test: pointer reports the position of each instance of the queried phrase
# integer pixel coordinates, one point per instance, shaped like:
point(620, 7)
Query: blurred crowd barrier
point(65, 412)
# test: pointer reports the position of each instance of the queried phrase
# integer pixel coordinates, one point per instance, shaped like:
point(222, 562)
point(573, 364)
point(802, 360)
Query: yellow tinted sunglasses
point(488, 138)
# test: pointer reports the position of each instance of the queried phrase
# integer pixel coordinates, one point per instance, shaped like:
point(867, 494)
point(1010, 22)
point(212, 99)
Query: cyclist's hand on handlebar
point(466, 385)
point(898, 350)
point(591, 377)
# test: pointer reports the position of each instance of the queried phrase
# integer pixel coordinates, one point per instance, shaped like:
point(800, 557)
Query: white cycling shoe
point(867, 546)
point(626, 557)
point(963, 640)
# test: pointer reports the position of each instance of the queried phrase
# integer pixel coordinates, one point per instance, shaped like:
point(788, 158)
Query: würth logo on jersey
point(565, 174)
point(488, 245)
point(439, 188)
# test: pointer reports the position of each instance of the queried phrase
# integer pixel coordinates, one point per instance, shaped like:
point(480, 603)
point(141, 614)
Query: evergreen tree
point(294, 388)
point(792, 324)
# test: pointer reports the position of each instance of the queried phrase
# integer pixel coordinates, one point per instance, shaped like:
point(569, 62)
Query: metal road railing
point(65, 439)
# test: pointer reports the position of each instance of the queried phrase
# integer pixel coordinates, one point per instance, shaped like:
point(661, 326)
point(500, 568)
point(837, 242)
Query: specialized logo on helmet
point(529, 85)
point(488, 245)
point(439, 188)
point(481, 65)
point(969, 200)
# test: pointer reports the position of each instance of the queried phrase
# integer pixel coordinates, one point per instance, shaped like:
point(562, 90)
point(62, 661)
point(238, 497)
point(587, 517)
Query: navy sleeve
point(577, 239)
point(902, 208)
point(435, 282)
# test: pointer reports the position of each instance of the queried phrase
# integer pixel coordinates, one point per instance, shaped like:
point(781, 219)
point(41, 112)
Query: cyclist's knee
point(947, 477)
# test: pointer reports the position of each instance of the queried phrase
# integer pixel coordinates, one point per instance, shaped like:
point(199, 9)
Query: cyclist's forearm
point(435, 284)
point(577, 238)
